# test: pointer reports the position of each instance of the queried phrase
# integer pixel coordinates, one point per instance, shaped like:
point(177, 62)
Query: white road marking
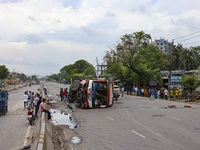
point(173, 118)
point(27, 133)
point(138, 134)
point(110, 118)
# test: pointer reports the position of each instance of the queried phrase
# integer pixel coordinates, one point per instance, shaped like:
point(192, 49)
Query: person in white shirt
point(25, 98)
point(166, 94)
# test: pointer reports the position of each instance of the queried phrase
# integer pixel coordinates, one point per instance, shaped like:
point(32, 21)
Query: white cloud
point(46, 35)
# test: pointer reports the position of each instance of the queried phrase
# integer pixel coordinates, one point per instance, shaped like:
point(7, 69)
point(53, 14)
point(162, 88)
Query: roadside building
point(162, 44)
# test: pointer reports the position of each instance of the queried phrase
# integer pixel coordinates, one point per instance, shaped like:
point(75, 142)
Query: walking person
point(61, 94)
point(152, 94)
point(25, 98)
point(42, 109)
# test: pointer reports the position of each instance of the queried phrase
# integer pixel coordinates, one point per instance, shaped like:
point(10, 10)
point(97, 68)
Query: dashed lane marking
point(138, 134)
point(173, 118)
point(110, 118)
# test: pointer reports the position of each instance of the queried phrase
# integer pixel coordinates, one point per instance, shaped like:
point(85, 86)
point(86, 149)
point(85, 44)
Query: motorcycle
point(31, 116)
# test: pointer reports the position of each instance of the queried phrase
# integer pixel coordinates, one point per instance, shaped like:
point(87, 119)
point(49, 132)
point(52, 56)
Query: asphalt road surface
point(14, 125)
point(135, 123)
point(138, 123)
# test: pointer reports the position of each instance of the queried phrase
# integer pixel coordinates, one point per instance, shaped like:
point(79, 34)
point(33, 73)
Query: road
point(14, 125)
point(138, 123)
point(135, 123)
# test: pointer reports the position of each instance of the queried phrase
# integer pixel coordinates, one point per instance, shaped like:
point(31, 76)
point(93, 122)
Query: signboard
point(176, 79)
point(152, 83)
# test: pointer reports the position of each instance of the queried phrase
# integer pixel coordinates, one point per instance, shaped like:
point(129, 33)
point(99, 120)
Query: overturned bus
point(92, 93)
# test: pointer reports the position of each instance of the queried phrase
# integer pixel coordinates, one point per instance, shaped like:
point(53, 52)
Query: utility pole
point(170, 67)
point(97, 71)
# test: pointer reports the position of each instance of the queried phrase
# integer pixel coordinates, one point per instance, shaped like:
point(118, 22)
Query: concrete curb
point(43, 137)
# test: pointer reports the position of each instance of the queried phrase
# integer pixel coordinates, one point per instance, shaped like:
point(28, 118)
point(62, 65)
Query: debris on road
point(172, 106)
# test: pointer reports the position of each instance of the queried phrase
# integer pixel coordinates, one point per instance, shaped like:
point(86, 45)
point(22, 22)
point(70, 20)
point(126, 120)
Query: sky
point(39, 37)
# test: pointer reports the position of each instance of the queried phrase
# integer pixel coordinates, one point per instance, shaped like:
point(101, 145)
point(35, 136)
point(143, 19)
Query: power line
point(189, 38)
point(187, 35)
point(192, 42)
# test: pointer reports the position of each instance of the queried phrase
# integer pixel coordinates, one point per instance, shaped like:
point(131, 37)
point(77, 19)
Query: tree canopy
point(80, 68)
point(3, 72)
point(136, 60)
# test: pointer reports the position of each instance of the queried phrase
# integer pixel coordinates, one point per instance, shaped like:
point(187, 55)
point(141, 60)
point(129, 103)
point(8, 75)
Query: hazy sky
point(42, 36)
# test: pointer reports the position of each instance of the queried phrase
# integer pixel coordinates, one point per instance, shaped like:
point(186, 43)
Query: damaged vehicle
point(92, 93)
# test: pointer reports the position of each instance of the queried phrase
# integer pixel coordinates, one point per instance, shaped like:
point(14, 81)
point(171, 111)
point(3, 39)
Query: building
point(163, 44)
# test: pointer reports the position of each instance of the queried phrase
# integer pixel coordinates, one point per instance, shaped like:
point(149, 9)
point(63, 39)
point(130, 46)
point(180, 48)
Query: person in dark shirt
point(37, 106)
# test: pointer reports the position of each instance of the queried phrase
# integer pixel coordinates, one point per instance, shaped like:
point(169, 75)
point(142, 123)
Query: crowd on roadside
point(34, 100)
point(153, 93)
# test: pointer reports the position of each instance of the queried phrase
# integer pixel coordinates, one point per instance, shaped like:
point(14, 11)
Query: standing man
point(61, 94)
point(37, 106)
point(32, 97)
point(142, 91)
point(29, 98)
point(122, 91)
point(171, 94)
point(180, 94)
point(152, 94)
point(166, 94)
point(176, 94)
point(64, 95)
point(25, 98)
point(136, 91)
point(38, 91)
point(158, 93)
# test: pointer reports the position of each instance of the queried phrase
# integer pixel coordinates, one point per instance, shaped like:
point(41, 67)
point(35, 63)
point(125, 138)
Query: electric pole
point(170, 67)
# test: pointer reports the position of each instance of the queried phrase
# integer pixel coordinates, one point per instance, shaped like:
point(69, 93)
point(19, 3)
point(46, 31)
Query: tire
point(75, 86)
point(31, 122)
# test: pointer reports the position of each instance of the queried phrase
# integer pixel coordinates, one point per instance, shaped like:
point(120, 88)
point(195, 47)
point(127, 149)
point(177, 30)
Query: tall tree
point(135, 53)
point(3, 72)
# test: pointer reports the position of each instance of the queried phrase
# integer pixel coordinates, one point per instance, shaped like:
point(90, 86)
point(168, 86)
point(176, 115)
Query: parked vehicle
point(116, 92)
point(91, 93)
point(31, 116)
point(3, 101)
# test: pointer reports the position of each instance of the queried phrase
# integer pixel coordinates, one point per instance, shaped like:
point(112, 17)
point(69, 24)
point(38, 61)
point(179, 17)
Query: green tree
point(80, 68)
point(136, 60)
point(54, 77)
point(3, 72)
point(191, 81)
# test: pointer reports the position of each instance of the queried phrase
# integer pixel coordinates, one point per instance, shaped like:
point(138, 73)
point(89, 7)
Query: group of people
point(153, 93)
point(63, 94)
point(36, 101)
point(163, 94)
